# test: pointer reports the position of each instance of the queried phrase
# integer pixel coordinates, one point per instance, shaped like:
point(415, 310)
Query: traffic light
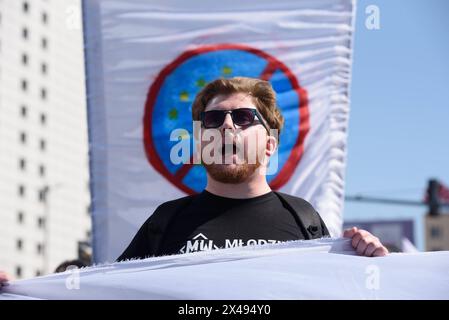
point(433, 197)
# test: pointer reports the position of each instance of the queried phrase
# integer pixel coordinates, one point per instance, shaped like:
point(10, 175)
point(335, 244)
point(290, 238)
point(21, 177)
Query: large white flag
point(146, 60)
point(313, 269)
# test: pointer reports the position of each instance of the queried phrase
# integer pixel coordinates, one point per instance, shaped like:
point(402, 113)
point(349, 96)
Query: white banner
point(314, 269)
point(145, 62)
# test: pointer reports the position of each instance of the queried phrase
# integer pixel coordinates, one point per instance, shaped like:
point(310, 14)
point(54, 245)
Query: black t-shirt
point(214, 222)
point(210, 222)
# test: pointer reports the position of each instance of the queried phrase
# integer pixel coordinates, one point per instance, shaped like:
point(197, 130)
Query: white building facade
point(44, 169)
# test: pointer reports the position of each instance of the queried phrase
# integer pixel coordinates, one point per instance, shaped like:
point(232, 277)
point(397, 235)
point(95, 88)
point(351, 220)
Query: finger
point(380, 252)
point(366, 239)
point(365, 233)
point(349, 233)
point(3, 282)
point(373, 246)
point(356, 239)
point(4, 277)
point(362, 245)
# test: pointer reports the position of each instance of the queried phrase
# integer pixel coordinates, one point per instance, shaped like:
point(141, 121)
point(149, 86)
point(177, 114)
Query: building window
point(19, 244)
point(42, 170)
point(44, 17)
point(23, 111)
point(41, 223)
point(18, 271)
point(43, 119)
point(435, 232)
point(42, 144)
point(20, 217)
point(25, 7)
point(42, 195)
point(43, 93)
point(25, 33)
point(24, 59)
point(44, 43)
point(24, 85)
point(22, 164)
point(21, 190)
point(23, 138)
point(44, 68)
point(39, 248)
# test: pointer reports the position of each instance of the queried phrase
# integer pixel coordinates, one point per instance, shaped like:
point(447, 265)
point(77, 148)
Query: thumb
point(349, 233)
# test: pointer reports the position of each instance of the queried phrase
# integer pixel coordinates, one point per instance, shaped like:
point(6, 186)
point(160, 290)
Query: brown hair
point(261, 91)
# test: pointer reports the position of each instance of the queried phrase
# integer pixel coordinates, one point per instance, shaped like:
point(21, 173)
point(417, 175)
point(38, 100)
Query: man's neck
point(254, 187)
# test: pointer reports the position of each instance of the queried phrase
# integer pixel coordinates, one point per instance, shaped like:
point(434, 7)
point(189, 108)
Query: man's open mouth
point(228, 149)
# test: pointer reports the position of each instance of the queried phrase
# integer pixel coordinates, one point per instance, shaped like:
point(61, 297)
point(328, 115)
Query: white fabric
point(315, 269)
point(128, 44)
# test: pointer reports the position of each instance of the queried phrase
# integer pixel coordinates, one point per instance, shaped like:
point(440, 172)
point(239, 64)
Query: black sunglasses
point(241, 117)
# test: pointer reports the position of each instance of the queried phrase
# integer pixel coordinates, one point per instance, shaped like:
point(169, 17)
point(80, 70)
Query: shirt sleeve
point(139, 246)
point(147, 240)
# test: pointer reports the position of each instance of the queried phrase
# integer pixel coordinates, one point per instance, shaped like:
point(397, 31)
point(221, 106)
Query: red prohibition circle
point(273, 65)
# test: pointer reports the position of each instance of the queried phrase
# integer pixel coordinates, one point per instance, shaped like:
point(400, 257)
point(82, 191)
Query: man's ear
point(271, 146)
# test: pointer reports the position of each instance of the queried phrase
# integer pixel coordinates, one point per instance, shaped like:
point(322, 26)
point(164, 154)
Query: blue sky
point(399, 124)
